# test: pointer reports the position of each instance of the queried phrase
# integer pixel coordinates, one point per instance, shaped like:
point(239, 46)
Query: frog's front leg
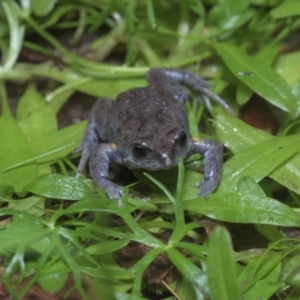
point(100, 157)
point(213, 162)
point(96, 130)
point(89, 140)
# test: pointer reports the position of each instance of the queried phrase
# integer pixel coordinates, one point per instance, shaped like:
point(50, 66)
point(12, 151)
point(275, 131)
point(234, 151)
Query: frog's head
point(160, 152)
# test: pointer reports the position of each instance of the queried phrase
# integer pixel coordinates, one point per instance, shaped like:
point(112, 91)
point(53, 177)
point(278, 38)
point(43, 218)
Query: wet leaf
point(258, 161)
point(60, 187)
point(259, 77)
point(243, 208)
point(237, 136)
point(191, 273)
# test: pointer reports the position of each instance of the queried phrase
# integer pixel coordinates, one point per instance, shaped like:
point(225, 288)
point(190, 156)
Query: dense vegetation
point(60, 231)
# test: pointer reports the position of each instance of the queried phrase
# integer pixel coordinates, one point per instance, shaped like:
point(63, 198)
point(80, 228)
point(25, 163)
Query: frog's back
point(143, 112)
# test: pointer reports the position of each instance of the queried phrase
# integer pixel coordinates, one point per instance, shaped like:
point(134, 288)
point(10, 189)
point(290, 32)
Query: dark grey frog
point(146, 128)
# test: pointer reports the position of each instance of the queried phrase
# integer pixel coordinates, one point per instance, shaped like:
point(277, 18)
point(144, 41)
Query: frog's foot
point(207, 186)
point(112, 191)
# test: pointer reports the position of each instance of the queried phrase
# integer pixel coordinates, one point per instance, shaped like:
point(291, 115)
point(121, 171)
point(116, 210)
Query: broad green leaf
point(60, 187)
point(248, 184)
point(61, 142)
point(35, 117)
point(23, 232)
point(244, 208)
point(259, 77)
point(286, 9)
point(293, 278)
point(288, 66)
point(14, 149)
point(263, 290)
point(54, 277)
point(221, 267)
point(259, 161)
point(33, 205)
point(237, 136)
point(267, 56)
point(289, 266)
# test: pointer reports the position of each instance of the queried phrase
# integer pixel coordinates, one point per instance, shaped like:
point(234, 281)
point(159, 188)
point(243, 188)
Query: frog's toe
point(115, 192)
point(207, 186)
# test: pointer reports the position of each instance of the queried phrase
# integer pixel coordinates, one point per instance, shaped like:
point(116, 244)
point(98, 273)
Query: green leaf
point(258, 161)
point(60, 142)
point(42, 7)
point(237, 20)
point(6, 191)
point(290, 266)
point(244, 208)
point(237, 135)
point(267, 55)
point(14, 149)
point(16, 32)
point(33, 205)
point(191, 273)
point(272, 233)
point(248, 184)
point(107, 247)
point(286, 9)
point(263, 290)
point(60, 187)
point(288, 66)
point(54, 277)
point(259, 279)
point(235, 6)
point(221, 267)
point(35, 117)
point(258, 76)
point(196, 250)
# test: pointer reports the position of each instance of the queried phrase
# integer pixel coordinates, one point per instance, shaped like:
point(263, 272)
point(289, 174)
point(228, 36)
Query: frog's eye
point(182, 138)
point(139, 151)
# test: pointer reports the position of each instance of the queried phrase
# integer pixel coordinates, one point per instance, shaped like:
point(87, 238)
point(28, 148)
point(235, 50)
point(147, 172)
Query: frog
point(147, 128)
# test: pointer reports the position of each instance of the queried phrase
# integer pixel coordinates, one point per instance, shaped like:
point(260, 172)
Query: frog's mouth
point(151, 166)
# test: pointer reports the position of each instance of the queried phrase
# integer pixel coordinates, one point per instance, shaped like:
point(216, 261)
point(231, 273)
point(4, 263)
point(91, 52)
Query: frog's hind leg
point(190, 80)
point(95, 131)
